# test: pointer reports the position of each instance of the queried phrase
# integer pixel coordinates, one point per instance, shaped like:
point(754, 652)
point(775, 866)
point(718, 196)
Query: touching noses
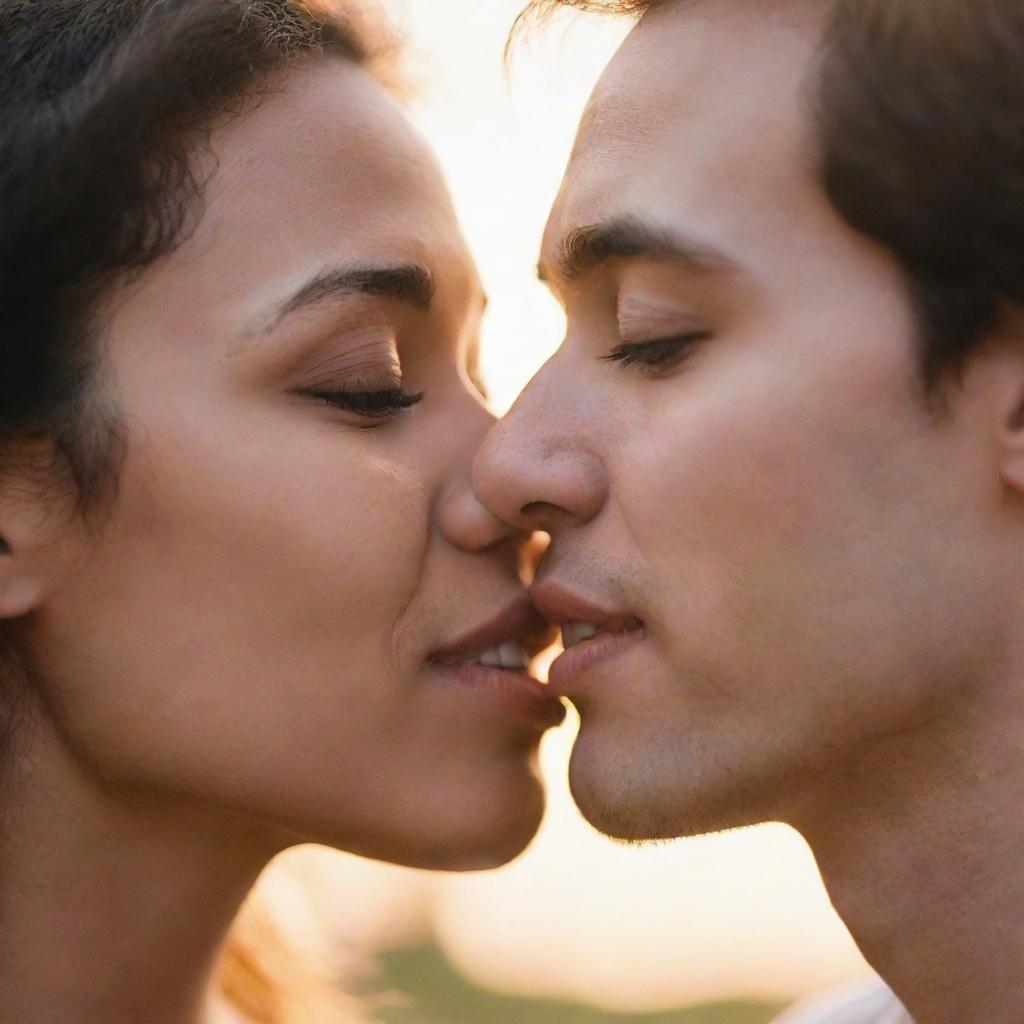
point(536, 478)
point(463, 520)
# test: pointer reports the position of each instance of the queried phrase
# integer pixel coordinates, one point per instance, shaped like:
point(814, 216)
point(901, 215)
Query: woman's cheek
point(283, 574)
point(374, 538)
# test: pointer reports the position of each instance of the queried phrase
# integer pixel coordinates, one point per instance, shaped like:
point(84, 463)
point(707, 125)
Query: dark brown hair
point(103, 109)
point(919, 108)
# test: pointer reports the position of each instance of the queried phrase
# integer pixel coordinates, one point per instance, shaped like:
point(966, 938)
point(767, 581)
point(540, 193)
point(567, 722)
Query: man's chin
point(625, 823)
point(653, 798)
point(617, 799)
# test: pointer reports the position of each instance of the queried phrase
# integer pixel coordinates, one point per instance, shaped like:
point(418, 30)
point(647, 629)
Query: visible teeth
point(491, 658)
point(574, 633)
point(513, 656)
point(507, 655)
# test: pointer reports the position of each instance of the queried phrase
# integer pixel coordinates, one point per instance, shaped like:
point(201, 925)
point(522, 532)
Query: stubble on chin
point(656, 791)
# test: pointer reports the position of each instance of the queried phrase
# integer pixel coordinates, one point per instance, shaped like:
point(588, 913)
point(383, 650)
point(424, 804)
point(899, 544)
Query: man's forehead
point(697, 94)
point(622, 107)
point(690, 55)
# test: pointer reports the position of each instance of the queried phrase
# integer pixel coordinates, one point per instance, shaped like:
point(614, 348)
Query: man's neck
point(921, 847)
point(114, 909)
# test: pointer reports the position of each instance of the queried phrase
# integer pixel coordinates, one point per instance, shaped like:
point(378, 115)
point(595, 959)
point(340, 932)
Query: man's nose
point(536, 470)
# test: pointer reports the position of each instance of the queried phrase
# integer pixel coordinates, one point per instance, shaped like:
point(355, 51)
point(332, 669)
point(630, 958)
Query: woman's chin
point(492, 851)
point(463, 835)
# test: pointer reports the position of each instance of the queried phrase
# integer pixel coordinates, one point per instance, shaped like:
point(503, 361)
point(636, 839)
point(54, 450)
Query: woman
point(247, 597)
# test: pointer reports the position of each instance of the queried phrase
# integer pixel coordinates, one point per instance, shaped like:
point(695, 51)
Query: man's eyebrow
point(589, 246)
point(409, 283)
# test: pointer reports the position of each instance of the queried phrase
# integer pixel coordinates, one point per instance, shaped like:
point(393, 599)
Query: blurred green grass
point(421, 986)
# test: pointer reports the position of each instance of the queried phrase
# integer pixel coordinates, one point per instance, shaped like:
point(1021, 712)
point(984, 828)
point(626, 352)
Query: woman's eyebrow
point(409, 283)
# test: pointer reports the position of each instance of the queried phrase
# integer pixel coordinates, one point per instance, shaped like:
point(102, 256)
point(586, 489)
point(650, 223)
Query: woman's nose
point(462, 518)
point(468, 525)
point(535, 471)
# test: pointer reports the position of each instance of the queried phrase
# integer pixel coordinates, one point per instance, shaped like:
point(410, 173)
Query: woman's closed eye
point(362, 378)
point(375, 406)
point(658, 355)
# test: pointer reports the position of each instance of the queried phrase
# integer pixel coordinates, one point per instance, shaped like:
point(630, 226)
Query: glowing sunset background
point(741, 915)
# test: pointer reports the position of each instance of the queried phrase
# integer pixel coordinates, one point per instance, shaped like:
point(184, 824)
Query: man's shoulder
point(869, 1003)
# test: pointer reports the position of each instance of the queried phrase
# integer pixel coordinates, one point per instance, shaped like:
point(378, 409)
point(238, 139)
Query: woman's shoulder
point(867, 1003)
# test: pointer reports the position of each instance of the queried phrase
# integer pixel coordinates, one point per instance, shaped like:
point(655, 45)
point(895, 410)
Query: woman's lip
point(567, 668)
point(515, 692)
point(517, 621)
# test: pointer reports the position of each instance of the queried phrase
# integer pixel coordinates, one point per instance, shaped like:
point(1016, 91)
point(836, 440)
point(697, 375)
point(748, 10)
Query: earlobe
point(18, 595)
point(19, 588)
point(1015, 421)
point(27, 549)
point(1013, 466)
point(19, 591)
point(1011, 427)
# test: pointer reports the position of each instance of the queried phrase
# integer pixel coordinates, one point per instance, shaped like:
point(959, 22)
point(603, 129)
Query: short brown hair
point(920, 117)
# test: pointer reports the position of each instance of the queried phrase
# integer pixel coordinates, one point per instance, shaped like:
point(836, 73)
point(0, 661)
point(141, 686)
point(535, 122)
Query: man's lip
point(518, 621)
point(560, 605)
point(570, 669)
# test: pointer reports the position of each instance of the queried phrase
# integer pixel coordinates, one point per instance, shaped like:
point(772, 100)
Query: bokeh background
point(579, 930)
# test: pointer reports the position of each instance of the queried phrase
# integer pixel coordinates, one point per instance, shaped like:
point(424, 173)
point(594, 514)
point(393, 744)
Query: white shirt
point(870, 1003)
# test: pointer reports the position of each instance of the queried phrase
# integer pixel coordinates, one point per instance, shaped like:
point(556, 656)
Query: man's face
point(786, 553)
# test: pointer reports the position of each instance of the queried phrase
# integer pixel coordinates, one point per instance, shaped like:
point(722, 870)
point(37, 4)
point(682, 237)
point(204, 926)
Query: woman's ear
point(1010, 433)
point(30, 516)
point(20, 586)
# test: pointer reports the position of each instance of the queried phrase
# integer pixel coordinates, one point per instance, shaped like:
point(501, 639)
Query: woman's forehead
point(326, 169)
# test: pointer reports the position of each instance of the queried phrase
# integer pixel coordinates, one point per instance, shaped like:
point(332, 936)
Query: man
point(780, 455)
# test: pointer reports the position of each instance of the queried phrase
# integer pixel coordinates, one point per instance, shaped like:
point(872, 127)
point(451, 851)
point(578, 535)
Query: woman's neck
point(114, 905)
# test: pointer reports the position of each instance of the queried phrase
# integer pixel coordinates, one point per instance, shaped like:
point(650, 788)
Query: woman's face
point(266, 619)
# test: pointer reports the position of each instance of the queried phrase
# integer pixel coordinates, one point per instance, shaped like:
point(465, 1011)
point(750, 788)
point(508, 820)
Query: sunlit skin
point(807, 576)
point(235, 654)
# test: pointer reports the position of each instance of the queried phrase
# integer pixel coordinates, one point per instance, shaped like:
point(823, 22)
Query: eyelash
point(371, 405)
point(659, 354)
